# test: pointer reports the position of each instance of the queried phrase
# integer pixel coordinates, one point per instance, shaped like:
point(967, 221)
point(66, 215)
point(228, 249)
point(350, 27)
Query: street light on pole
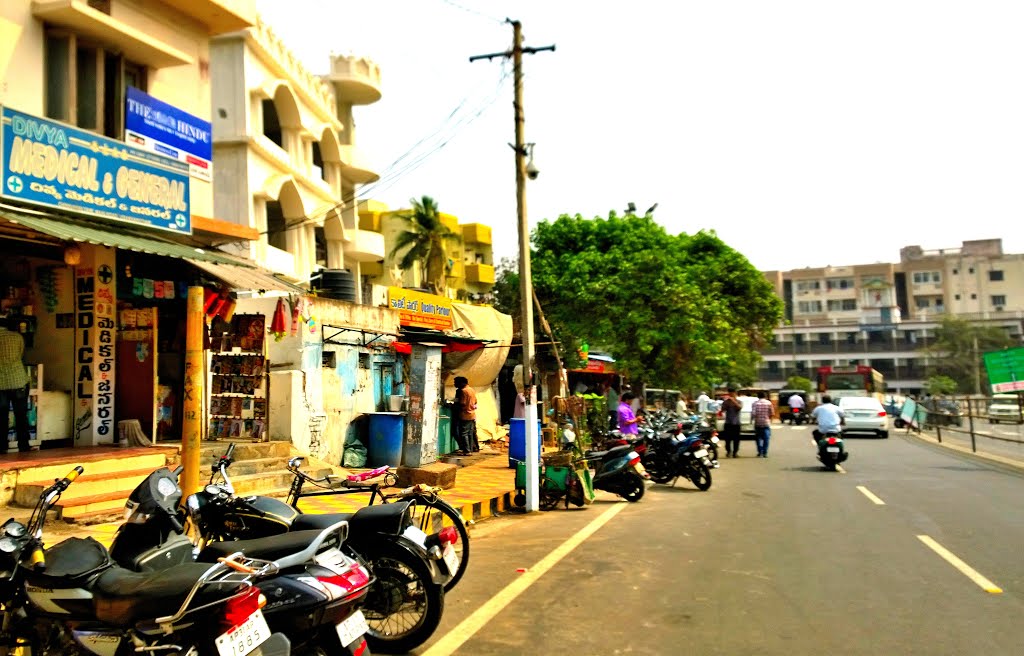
point(524, 170)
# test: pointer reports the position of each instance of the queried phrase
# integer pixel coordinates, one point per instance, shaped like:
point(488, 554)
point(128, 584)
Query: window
point(974, 296)
point(851, 338)
point(995, 275)
point(939, 303)
point(85, 84)
point(808, 285)
point(842, 305)
point(773, 366)
point(809, 307)
point(971, 270)
point(956, 297)
point(956, 271)
point(798, 339)
point(922, 303)
point(840, 283)
point(999, 300)
point(329, 360)
point(824, 339)
point(921, 277)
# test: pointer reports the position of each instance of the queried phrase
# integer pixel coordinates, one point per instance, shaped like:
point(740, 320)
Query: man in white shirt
point(829, 417)
point(702, 404)
point(795, 403)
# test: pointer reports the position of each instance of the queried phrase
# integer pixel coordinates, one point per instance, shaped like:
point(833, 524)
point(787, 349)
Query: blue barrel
point(386, 437)
point(517, 441)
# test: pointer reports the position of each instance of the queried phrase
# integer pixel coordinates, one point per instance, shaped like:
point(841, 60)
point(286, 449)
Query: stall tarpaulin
point(479, 366)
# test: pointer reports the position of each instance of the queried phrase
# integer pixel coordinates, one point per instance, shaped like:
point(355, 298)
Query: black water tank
point(337, 283)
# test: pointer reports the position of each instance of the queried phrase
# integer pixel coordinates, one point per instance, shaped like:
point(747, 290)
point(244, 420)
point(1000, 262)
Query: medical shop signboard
point(155, 126)
point(55, 165)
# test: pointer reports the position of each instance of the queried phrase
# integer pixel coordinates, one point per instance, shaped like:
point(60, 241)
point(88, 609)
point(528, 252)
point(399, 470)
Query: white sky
point(806, 133)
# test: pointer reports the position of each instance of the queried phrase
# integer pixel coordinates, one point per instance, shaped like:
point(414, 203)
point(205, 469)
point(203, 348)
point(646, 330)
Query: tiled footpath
point(484, 487)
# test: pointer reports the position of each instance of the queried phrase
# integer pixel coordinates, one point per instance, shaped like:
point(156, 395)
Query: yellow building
point(470, 264)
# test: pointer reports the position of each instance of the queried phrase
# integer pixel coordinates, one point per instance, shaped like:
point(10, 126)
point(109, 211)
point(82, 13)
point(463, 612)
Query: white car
point(1005, 407)
point(864, 414)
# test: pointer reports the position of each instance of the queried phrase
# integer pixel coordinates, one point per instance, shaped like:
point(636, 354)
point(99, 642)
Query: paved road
point(779, 557)
point(1002, 439)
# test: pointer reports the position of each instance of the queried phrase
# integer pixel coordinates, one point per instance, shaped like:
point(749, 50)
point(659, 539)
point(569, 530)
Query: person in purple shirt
point(627, 419)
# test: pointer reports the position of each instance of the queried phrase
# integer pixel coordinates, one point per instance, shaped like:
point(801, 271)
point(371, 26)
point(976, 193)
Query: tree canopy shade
point(678, 310)
point(423, 243)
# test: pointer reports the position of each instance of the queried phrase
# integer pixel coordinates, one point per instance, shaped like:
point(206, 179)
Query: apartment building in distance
point(885, 315)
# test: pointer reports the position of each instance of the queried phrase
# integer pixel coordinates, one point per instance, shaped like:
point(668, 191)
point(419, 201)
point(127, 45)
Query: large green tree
point(422, 242)
point(958, 349)
point(676, 310)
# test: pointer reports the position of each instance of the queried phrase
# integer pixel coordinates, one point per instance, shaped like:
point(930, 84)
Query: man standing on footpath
point(731, 430)
point(13, 388)
point(762, 412)
point(465, 400)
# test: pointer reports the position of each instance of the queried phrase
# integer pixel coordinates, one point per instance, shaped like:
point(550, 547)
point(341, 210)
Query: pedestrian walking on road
point(762, 411)
point(13, 388)
point(731, 406)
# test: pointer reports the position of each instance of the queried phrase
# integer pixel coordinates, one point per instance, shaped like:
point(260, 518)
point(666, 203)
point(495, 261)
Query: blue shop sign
point(154, 125)
point(56, 165)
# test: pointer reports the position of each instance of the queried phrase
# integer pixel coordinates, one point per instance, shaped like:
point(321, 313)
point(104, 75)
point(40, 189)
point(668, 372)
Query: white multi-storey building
point(884, 315)
point(288, 166)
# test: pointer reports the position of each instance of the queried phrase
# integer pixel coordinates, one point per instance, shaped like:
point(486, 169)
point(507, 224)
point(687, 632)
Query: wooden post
point(192, 408)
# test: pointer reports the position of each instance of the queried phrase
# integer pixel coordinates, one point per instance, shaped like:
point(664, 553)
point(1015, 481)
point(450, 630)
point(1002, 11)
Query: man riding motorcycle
point(830, 417)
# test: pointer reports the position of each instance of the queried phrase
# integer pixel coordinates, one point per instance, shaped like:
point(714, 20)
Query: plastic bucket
point(517, 440)
point(385, 443)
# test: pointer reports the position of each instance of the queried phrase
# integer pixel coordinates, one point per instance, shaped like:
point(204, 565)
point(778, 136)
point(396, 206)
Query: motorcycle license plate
point(352, 628)
point(700, 453)
point(244, 638)
point(451, 559)
point(832, 449)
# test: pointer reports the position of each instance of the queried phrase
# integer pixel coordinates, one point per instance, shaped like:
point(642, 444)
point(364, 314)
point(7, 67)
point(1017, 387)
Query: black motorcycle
point(72, 599)
point(315, 602)
point(668, 457)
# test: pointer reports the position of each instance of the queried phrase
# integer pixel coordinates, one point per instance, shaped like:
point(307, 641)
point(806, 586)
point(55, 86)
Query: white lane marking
point(869, 494)
point(965, 569)
point(839, 468)
point(490, 609)
point(801, 428)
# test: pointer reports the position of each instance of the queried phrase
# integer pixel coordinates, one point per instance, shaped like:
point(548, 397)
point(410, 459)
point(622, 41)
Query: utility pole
point(525, 281)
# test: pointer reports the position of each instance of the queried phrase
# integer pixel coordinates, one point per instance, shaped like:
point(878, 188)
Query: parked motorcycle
point(831, 449)
point(708, 434)
point(72, 598)
point(314, 602)
point(670, 457)
point(618, 470)
point(405, 602)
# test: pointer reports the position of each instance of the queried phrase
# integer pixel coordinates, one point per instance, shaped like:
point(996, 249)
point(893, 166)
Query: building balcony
point(79, 17)
point(354, 166)
point(356, 80)
point(365, 246)
point(480, 273)
point(457, 272)
point(280, 262)
point(476, 233)
point(220, 16)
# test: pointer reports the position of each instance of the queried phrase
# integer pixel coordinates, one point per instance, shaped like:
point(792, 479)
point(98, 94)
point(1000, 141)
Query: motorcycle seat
point(122, 597)
point(383, 518)
point(272, 547)
point(615, 451)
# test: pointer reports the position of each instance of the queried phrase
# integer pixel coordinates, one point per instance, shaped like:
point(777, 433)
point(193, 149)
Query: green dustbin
point(445, 444)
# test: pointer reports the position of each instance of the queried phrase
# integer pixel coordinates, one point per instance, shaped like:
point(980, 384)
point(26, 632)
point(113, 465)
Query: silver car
point(864, 414)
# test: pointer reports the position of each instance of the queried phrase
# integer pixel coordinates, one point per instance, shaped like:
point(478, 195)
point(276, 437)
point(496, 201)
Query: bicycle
point(429, 509)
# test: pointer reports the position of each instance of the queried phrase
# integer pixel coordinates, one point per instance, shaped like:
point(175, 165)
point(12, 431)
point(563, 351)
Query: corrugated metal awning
point(122, 238)
point(249, 279)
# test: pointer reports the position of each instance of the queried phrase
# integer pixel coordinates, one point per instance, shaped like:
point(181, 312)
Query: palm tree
point(423, 242)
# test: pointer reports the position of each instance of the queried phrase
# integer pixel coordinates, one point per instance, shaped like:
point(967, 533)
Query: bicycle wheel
point(431, 514)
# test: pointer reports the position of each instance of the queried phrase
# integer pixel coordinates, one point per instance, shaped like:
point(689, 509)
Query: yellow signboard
point(419, 309)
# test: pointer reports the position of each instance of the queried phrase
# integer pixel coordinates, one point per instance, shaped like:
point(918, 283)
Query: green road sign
point(1005, 370)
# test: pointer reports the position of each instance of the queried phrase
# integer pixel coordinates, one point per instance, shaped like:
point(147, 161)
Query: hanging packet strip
point(169, 289)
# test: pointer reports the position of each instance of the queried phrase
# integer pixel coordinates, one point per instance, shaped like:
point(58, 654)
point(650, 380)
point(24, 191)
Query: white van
point(1005, 407)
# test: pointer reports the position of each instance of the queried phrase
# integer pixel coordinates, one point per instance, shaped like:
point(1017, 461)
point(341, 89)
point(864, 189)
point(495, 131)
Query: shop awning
point(246, 278)
point(117, 238)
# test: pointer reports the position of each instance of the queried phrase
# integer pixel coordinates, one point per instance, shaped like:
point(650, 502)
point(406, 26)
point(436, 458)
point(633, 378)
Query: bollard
point(970, 424)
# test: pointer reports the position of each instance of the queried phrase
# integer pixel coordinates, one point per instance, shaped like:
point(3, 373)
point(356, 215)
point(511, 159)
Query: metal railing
point(994, 434)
